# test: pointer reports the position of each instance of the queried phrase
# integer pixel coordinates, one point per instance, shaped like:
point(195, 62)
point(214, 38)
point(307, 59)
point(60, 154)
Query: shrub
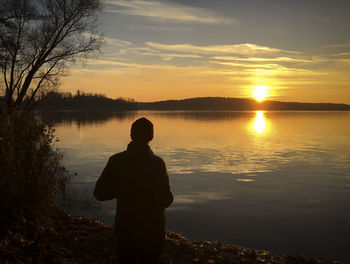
point(31, 173)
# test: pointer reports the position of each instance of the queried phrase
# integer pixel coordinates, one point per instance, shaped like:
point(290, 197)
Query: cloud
point(168, 57)
point(242, 49)
point(342, 54)
point(246, 52)
point(248, 58)
point(256, 69)
point(244, 59)
point(322, 19)
point(110, 65)
point(213, 68)
point(117, 42)
point(123, 47)
point(245, 65)
point(105, 65)
point(260, 59)
point(167, 11)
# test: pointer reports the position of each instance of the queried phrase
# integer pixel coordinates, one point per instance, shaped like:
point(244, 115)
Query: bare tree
point(39, 39)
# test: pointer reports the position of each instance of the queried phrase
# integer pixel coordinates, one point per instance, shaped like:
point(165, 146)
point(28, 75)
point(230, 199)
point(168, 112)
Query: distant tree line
point(99, 102)
point(85, 101)
point(237, 104)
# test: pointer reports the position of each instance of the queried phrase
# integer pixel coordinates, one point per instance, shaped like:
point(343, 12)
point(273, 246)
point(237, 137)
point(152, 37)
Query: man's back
point(139, 181)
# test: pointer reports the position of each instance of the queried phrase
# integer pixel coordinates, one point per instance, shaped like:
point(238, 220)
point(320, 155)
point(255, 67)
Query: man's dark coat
point(140, 182)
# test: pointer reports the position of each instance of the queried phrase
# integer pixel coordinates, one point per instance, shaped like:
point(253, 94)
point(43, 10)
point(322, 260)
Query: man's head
point(142, 130)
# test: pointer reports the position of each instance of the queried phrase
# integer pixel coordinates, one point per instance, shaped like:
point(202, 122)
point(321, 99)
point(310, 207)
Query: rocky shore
point(68, 239)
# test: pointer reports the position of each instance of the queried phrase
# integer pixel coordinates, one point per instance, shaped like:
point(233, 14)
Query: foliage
point(30, 170)
point(85, 101)
point(38, 41)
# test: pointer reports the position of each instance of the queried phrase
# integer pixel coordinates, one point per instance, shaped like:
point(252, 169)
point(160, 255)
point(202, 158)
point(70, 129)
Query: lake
point(278, 181)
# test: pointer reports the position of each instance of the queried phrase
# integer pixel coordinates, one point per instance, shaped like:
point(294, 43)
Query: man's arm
point(104, 188)
point(167, 195)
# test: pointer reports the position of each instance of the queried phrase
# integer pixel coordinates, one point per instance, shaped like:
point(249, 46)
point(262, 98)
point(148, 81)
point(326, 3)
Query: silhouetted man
point(140, 182)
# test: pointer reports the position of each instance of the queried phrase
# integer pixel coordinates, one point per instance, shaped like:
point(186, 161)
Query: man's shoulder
point(117, 156)
point(123, 157)
point(158, 159)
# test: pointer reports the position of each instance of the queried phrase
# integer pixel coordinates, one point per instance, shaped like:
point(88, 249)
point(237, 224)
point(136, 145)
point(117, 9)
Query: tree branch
point(34, 41)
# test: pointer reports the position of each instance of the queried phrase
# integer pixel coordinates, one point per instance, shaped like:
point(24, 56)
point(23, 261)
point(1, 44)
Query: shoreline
point(68, 238)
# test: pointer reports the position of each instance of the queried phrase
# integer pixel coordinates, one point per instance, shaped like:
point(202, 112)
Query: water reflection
point(259, 122)
point(85, 118)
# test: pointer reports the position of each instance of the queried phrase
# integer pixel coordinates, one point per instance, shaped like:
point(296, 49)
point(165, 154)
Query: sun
point(260, 92)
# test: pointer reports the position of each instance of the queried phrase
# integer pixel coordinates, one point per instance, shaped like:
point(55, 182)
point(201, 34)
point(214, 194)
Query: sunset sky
point(158, 50)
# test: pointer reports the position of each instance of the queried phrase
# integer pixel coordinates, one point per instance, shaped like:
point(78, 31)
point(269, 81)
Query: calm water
point(272, 180)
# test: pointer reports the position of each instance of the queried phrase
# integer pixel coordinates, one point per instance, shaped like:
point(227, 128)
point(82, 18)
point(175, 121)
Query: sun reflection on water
point(259, 122)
